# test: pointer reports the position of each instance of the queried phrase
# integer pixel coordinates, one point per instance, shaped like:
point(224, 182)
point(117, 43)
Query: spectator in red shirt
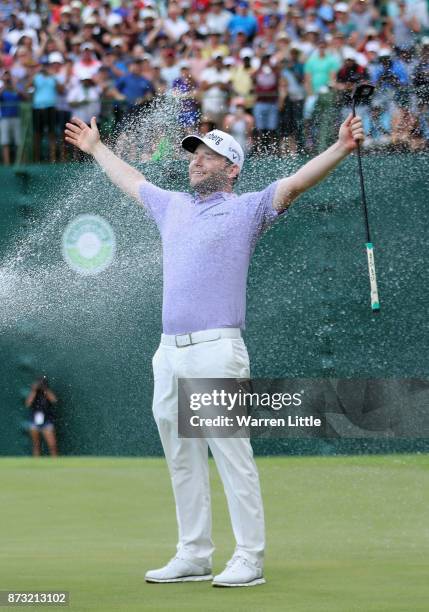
point(266, 111)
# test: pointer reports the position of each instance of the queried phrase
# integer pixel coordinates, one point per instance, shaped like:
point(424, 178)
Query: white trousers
point(187, 458)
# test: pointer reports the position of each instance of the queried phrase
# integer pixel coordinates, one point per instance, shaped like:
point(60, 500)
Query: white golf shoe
point(179, 570)
point(239, 572)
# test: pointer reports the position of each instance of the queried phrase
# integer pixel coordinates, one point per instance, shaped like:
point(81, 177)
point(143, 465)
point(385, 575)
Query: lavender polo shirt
point(207, 246)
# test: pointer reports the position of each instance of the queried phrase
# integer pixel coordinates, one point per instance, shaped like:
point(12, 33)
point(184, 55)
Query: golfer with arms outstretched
point(208, 237)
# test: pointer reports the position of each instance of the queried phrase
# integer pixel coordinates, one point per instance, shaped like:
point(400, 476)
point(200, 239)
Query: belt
point(207, 335)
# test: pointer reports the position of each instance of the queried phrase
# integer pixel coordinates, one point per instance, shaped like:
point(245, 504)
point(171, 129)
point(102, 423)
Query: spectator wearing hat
point(149, 29)
point(75, 17)
point(343, 23)
point(242, 78)
point(10, 122)
point(371, 51)
point(266, 112)
point(146, 62)
point(87, 65)
point(62, 72)
point(94, 31)
point(391, 81)
point(309, 41)
point(281, 51)
point(215, 88)
point(88, 35)
point(120, 55)
point(45, 92)
point(73, 48)
point(84, 97)
point(66, 27)
point(347, 77)
point(391, 74)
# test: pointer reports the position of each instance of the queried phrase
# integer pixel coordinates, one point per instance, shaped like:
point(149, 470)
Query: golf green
point(343, 534)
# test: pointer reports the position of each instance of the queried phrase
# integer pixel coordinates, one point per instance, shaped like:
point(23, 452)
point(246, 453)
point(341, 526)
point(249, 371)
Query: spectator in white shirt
point(84, 98)
point(30, 18)
point(170, 70)
point(175, 26)
point(215, 87)
point(218, 18)
point(87, 65)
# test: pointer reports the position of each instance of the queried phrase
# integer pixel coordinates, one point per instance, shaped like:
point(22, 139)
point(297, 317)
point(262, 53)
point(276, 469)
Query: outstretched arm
point(316, 169)
point(87, 139)
point(30, 397)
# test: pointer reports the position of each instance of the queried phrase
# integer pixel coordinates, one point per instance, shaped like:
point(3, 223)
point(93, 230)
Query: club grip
point(375, 302)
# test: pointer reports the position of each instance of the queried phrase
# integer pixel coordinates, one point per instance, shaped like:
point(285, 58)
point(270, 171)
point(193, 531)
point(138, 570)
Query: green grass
point(344, 534)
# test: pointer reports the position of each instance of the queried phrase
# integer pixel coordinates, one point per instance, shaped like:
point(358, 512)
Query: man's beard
point(211, 184)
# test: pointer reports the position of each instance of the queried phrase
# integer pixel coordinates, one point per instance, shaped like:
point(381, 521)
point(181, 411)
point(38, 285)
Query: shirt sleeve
point(268, 214)
point(261, 204)
point(155, 200)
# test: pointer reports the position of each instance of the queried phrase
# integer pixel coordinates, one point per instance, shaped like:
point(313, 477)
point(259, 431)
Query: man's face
point(208, 171)
point(134, 68)
point(322, 48)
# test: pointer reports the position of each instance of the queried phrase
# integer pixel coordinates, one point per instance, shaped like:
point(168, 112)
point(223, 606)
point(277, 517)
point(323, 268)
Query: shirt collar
point(224, 195)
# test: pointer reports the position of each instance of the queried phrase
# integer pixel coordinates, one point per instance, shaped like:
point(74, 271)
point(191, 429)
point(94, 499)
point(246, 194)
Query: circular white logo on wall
point(89, 244)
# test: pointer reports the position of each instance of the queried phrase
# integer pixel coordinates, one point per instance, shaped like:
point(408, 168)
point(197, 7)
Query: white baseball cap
point(373, 46)
point(246, 52)
point(384, 52)
point(349, 54)
point(55, 58)
point(341, 7)
point(217, 141)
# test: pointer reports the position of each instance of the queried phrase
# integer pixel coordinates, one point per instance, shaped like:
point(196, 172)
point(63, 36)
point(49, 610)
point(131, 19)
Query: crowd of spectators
point(268, 71)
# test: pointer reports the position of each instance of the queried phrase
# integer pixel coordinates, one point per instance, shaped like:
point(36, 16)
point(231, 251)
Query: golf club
point(362, 92)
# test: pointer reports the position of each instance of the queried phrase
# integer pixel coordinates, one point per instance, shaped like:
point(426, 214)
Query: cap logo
point(217, 139)
point(235, 153)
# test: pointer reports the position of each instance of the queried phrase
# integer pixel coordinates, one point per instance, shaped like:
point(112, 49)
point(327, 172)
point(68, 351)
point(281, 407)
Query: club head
point(362, 92)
